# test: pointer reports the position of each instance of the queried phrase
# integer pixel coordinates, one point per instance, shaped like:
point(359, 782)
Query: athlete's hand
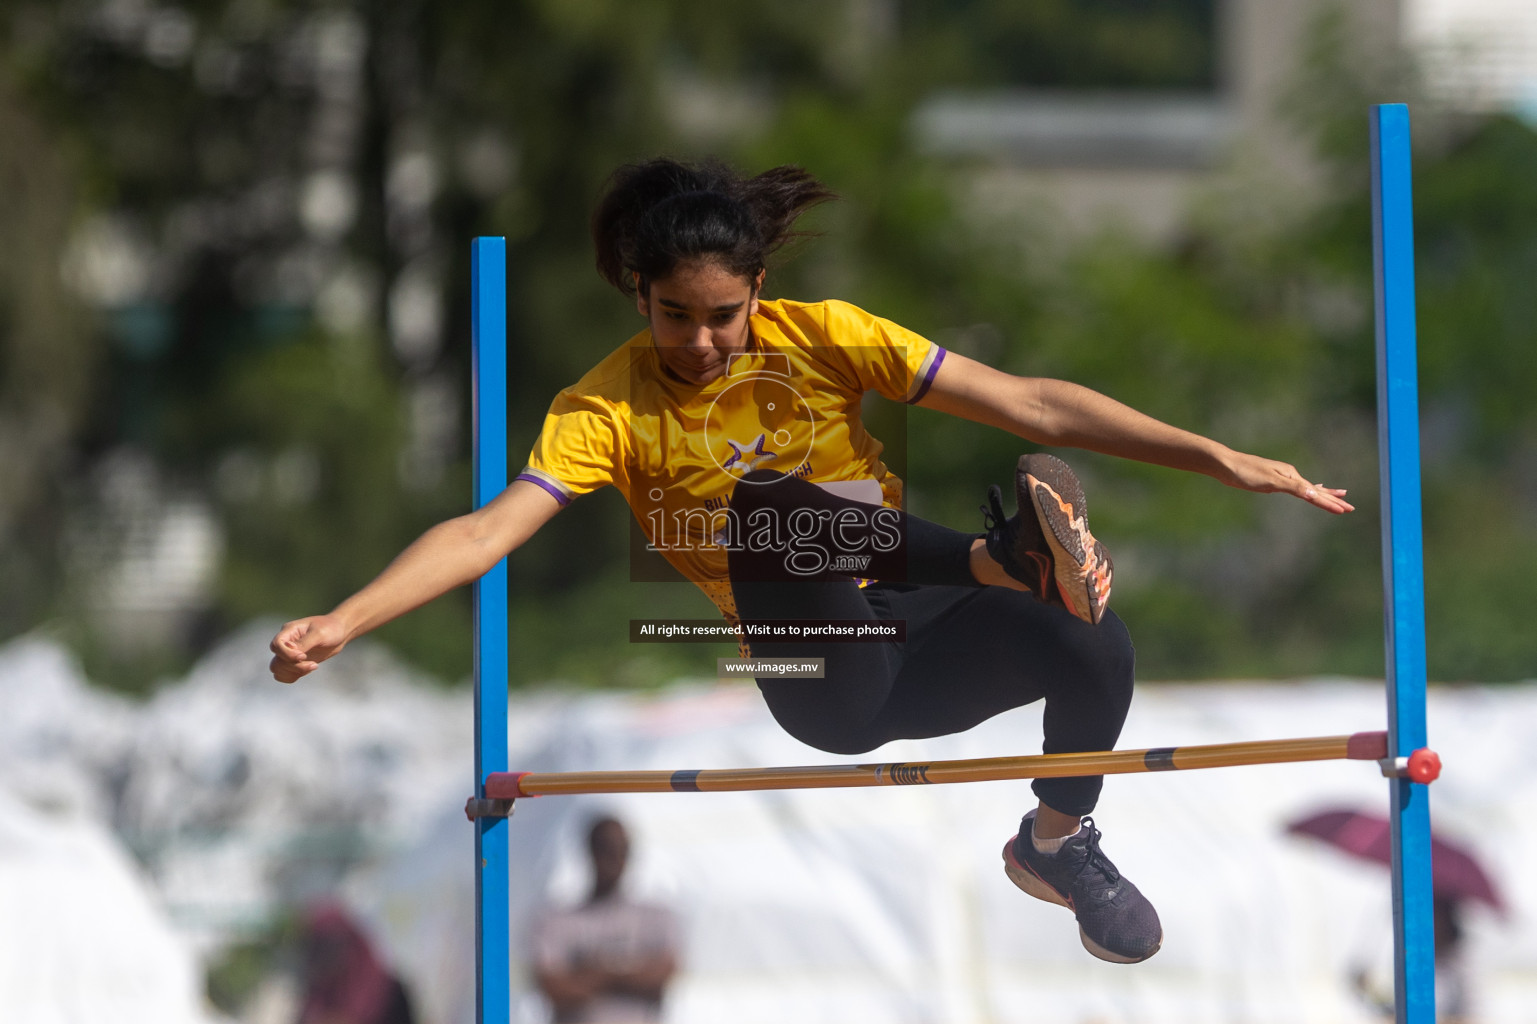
point(1268, 476)
point(301, 645)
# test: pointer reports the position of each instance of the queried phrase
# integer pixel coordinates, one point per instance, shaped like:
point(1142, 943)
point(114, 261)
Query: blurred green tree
point(48, 357)
point(264, 209)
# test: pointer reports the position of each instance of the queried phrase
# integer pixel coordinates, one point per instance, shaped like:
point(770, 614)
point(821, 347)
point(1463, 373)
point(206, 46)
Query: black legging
point(971, 652)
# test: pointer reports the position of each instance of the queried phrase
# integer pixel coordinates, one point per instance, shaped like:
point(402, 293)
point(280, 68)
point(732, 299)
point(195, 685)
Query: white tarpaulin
point(890, 905)
point(241, 795)
point(81, 938)
point(238, 794)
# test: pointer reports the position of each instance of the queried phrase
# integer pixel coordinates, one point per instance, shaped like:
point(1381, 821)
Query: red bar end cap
point(1367, 746)
point(1424, 766)
point(506, 785)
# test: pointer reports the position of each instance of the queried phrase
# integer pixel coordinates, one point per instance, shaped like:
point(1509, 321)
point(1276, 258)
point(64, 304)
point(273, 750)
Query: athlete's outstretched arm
point(449, 555)
point(1056, 412)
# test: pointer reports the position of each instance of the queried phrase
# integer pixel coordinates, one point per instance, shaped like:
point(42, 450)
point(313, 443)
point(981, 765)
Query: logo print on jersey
point(749, 453)
point(761, 403)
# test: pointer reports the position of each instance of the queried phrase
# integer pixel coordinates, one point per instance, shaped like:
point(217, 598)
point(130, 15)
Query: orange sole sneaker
point(1083, 569)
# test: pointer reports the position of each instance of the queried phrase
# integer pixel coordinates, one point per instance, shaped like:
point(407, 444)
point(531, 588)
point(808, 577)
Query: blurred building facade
point(1088, 158)
point(1479, 54)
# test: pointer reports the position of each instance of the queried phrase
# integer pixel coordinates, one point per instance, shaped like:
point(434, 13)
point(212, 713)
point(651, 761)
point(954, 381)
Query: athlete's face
point(698, 317)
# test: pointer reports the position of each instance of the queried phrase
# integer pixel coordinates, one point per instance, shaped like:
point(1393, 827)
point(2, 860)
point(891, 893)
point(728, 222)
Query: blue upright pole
point(1403, 572)
point(488, 343)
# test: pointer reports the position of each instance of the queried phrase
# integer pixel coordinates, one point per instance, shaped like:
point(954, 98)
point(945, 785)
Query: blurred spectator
point(1457, 879)
point(344, 982)
point(1453, 998)
point(608, 960)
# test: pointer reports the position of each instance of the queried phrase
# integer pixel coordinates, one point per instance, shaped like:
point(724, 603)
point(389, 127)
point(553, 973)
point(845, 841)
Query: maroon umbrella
point(1454, 873)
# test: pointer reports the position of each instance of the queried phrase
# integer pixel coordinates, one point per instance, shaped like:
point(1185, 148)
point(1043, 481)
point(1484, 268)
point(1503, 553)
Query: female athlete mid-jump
point(731, 425)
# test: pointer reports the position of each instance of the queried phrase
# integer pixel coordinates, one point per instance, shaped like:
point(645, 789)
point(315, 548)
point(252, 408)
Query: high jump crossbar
point(502, 788)
point(1400, 751)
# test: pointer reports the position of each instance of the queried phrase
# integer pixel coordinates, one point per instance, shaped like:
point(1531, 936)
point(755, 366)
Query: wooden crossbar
point(1361, 746)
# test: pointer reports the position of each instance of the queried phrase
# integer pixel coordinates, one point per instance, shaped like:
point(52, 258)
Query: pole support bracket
point(480, 807)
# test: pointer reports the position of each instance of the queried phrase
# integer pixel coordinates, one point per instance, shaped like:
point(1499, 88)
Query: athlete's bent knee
point(814, 723)
point(754, 490)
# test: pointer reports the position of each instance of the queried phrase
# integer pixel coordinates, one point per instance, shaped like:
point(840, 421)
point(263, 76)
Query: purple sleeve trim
point(554, 491)
point(928, 378)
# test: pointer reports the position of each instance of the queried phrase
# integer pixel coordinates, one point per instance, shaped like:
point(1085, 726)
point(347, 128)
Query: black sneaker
point(1050, 550)
point(1080, 564)
point(1016, 544)
point(1115, 921)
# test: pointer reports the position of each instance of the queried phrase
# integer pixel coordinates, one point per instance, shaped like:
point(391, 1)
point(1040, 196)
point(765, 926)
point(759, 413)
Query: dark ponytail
point(660, 213)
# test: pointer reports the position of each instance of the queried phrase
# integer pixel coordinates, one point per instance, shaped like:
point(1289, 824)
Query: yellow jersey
point(790, 403)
